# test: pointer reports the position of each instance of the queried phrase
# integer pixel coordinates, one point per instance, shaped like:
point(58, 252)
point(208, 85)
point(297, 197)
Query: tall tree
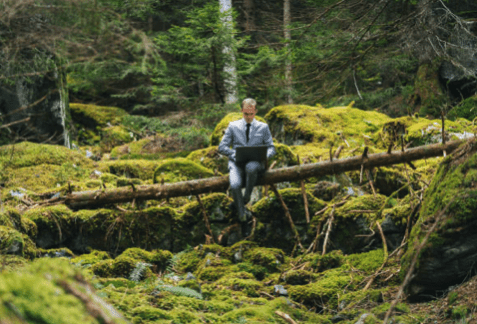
point(230, 70)
point(288, 63)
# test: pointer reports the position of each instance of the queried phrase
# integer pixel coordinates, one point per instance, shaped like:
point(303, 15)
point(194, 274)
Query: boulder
point(450, 254)
point(42, 102)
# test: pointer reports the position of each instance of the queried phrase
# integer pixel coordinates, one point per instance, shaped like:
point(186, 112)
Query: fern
point(180, 291)
point(138, 271)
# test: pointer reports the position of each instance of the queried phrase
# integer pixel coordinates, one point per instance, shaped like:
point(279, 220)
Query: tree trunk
point(230, 71)
point(288, 63)
point(92, 199)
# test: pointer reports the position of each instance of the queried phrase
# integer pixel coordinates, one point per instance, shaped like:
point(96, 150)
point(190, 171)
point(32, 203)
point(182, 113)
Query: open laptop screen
point(246, 154)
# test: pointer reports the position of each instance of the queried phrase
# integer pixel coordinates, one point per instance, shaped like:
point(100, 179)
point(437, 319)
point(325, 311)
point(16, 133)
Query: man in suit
point(245, 132)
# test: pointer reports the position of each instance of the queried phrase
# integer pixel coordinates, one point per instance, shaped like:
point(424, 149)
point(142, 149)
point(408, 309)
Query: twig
point(370, 179)
point(286, 317)
point(287, 213)
point(328, 230)
point(267, 294)
point(385, 249)
point(303, 192)
point(271, 167)
point(206, 218)
point(16, 122)
point(226, 231)
point(338, 152)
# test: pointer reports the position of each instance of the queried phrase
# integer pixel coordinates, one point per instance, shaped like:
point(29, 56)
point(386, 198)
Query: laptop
point(246, 154)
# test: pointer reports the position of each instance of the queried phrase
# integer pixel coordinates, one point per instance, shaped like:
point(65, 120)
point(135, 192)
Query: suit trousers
point(251, 170)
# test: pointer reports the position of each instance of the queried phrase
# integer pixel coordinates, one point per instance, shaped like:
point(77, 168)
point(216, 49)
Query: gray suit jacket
point(235, 136)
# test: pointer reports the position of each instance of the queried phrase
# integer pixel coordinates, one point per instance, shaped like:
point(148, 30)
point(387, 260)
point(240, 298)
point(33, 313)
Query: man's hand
point(232, 156)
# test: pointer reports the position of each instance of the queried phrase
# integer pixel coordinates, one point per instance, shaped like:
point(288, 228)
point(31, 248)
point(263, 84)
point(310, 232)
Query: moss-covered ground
point(159, 261)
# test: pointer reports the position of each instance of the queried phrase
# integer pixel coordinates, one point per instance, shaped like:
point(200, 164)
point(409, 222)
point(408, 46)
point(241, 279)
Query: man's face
point(249, 113)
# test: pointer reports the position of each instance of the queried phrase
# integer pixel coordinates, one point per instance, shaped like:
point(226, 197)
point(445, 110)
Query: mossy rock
point(26, 154)
point(447, 257)
point(42, 285)
point(122, 267)
point(311, 152)
point(352, 219)
point(325, 290)
point(190, 225)
point(274, 230)
point(466, 109)
point(319, 263)
point(11, 241)
point(299, 124)
point(159, 259)
point(180, 169)
point(155, 147)
point(92, 116)
point(10, 217)
point(211, 159)
point(12, 263)
point(46, 178)
point(355, 299)
point(54, 223)
point(219, 130)
point(298, 277)
point(114, 136)
point(103, 229)
point(428, 95)
point(140, 168)
point(87, 260)
point(267, 209)
point(271, 259)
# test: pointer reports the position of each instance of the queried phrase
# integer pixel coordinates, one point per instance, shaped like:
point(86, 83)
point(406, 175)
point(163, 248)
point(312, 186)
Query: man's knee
point(252, 167)
point(235, 181)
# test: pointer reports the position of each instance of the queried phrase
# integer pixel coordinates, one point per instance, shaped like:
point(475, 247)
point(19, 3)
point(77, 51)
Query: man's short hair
point(249, 102)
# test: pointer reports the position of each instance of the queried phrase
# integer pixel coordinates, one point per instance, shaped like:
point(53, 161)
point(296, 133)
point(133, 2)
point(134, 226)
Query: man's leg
point(236, 178)
point(252, 170)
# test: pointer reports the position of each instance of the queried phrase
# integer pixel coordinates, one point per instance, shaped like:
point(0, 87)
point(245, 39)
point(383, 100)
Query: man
point(245, 132)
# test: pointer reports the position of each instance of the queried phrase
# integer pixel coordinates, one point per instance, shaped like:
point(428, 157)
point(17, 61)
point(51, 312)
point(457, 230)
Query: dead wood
point(99, 198)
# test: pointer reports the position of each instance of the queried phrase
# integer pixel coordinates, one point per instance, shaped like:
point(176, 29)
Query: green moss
point(140, 168)
point(210, 158)
point(320, 263)
point(94, 116)
point(12, 263)
point(35, 295)
point(323, 291)
point(298, 124)
point(270, 258)
point(466, 109)
point(180, 169)
point(219, 130)
point(189, 223)
point(11, 241)
point(26, 154)
point(114, 136)
point(267, 209)
point(120, 267)
point(158, 258)
point(90, 259)
point(361, 298)
point(428, 94)
point(367, 262)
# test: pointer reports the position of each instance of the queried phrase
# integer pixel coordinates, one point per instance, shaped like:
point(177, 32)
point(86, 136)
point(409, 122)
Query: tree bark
point(97, 198)
point(288, 63)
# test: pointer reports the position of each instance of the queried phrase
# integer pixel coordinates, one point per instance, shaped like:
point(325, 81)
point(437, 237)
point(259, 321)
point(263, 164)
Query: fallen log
point(97, 198)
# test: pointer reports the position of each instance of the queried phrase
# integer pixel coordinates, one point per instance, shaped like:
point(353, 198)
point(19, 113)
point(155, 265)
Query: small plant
point(180, 291)
point(138, 271)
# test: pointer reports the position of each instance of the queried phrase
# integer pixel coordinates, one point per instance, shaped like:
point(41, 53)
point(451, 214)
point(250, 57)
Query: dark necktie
point(248, 131)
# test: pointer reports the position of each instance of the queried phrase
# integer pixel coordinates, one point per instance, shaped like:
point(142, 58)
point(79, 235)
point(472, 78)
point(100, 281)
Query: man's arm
point(269, 142)
point(224, 146)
